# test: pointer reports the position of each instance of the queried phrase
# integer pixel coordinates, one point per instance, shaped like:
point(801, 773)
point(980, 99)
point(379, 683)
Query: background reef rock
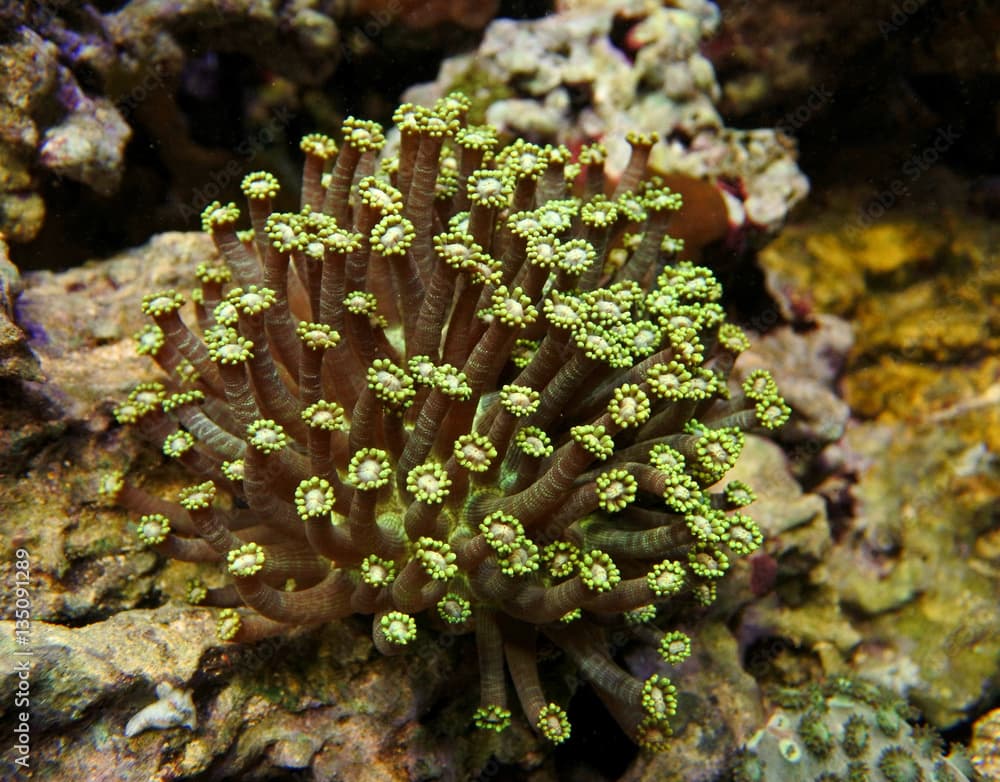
point(915, 479)
point(47, 119)
point(110, 119)
point(16, 359)
point(883, 551)
point(597, 72)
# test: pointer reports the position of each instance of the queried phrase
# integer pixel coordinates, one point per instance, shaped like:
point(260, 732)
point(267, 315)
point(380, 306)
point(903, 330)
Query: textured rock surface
point(775, 54)
point(312, 700)
point(574, 77)
point(985, 747)
point(17, 362)
point(916, 570)
point(57, 434)
point(420, 14)
point(47, 121)
point(204, 87)
point(914, 557)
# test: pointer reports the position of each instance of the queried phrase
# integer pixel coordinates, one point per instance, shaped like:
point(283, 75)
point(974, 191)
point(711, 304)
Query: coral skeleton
point(172, 708)
point(465, 388)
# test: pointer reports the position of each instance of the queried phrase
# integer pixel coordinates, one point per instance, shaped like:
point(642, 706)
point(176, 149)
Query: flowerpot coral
point(463, 389)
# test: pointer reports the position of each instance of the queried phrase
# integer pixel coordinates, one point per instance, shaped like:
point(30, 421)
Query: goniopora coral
point(462, 389)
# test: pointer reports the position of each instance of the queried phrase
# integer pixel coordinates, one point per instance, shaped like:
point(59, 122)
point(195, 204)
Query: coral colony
point(846, 729)
point(465, 390)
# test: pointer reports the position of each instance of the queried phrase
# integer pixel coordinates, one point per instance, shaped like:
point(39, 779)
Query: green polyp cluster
point(848, 730)
point(463, 389)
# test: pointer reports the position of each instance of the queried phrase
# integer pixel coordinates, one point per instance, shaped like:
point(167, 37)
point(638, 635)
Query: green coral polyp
point(253, 300)
point(233, 470)
point(162, 303)
point(681, 492)
point(659, 697)
point(562, 559)
point(520, 401)
point(475, 452)
point(266, 436)
point(675, 647)
point(629, 406)
point(816, 736)
point(666, 578)
point(153, 529)
point(492, 717)
point(742, 535)
point(521, 559)
point(708, 562)
point(318, 336)
point(377, 572)
point(246, 560)
point(616, 489)
point(897, 765)
point(457, 381)
point(370, 469)
point(260, 185)
point(772, 413)
point(196, 592)
point(654, 734)
point(595, 440)
point(398, 628)
point(437, 558)
point(390, 384)
point(393, 235)
point(450, 382)
point(489, 188)
point(429, 483)
point(178, 444)
point(502, 531)
point(599, 571)
point(197, 497)
point(314, 498)
point(228, 624)
point(217, 216)
point(706, 524)
point(553, 723)
point(534, 442)
point(149, 340)
point(855, 738)
point(454, 609)
point(231, 349)
point(738, 494)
